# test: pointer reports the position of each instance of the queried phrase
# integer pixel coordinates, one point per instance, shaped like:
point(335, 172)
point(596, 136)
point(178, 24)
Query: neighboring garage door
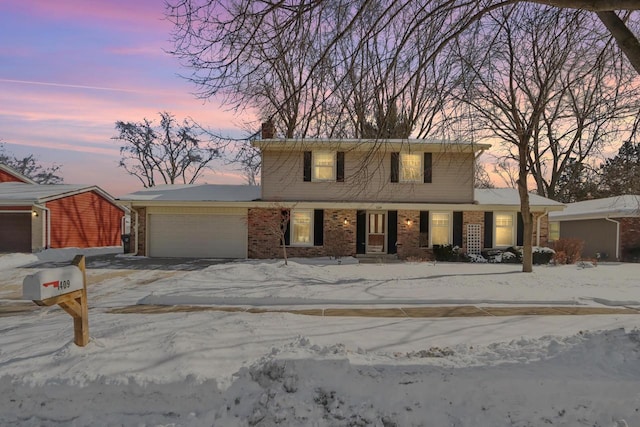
point(219, 235)
point(15, 232)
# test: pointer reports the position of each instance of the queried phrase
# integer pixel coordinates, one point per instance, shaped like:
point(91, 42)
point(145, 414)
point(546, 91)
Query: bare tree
point(590, 100)
point(508, 98)
point(31, 167)
point(170, 152)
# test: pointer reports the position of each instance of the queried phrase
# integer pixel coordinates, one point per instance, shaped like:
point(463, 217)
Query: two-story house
point(343, 197)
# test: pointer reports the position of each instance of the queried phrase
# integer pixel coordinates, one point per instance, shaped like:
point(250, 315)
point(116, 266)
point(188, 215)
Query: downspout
point(47, 237)
point(546, 212)
point(617, 223)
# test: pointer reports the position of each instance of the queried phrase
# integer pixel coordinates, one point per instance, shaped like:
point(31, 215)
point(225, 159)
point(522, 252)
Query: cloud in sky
point(70, 69)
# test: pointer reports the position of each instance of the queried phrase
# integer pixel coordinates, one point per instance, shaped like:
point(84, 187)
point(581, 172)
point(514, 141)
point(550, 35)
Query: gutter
point(617, 223)
point(546, 212)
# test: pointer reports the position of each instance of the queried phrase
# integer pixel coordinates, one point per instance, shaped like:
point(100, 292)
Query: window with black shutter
point(424, 229)
point(307, 166)
point(427, 168)
point(395, 167)
point(285, 224)
point(340, 167)
point(318, 227)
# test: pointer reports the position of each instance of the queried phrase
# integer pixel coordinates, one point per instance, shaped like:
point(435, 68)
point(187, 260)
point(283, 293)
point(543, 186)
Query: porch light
point(34, 214)
point(409, 222)
point(346, 221)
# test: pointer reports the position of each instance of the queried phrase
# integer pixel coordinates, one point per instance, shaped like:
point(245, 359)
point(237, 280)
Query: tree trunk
point(527, 220)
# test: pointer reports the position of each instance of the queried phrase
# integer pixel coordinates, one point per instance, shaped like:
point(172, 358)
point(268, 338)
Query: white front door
point(376, 232)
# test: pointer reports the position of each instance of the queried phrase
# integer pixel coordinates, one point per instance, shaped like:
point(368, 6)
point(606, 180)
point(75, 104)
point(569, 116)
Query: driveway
point(101, 269)
point(121, 262)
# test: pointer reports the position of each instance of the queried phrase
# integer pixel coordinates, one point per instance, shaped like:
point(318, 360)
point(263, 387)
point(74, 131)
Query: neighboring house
point(345, 197)
point(609, 227)
point(8, 174)
point(34, 217)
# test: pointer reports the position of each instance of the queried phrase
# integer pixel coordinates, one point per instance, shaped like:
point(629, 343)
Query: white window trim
point(514, 227)
point(420, 178)
point(314, 178)
point(292, 224)
point(450, 231)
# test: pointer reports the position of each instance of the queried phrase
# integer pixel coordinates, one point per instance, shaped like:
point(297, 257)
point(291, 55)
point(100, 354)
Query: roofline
point(340, 205)
point(404, 145)
point(62, 195)
point(17, 174)
point(587, 216)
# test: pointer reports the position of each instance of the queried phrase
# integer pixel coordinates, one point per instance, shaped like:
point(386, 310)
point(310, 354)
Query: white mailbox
point(52, 283)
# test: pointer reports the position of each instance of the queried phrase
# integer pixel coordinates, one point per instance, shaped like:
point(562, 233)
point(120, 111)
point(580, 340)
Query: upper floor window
point(324, 166)
point(321, 166)
point(504, 229)
point(302, 227)
point(440, 228)
point(410, 167)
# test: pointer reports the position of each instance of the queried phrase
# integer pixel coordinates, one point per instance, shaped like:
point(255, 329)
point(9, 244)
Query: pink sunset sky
point(69, 69)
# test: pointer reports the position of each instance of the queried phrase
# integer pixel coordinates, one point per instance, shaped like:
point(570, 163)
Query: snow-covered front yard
point(235, 368)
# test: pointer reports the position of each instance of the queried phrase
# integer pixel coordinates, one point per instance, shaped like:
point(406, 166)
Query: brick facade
point(141, 248)
point(629, 237)
point(339, 232)
point(263, 241)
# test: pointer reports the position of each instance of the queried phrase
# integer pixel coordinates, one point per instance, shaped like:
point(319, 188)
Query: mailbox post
point(67, 287)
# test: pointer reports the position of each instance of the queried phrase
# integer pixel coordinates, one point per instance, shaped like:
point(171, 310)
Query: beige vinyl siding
point(367, 178)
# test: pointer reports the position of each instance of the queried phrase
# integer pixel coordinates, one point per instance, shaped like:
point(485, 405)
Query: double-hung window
point(301, 224)
point(440, 228)
point(504, 229)
point(411, 167)
point(324, 166)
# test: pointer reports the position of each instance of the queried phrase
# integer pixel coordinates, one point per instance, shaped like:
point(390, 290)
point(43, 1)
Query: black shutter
point(424, 229)
point(424, 221)
point(392, 232)
point(361, 232)
point(307, 166)
point(488, 229)
point(318, 227)
point(520, 231)
point(340, 167)
point(287, 226)
point(427, 168)
point(395, 167)
point(457, 229)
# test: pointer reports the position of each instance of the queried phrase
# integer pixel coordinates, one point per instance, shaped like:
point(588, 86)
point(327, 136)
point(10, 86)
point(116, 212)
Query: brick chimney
point(268, 130)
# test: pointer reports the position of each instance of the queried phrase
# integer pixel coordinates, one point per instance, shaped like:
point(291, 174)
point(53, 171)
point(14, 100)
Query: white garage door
point(198, 235)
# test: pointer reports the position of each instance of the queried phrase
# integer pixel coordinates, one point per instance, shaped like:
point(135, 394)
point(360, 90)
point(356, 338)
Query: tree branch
point(592, 5)
point(626, 40)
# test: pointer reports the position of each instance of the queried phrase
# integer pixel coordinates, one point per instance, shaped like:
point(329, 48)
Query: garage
point(15, 232)
point(198, 233)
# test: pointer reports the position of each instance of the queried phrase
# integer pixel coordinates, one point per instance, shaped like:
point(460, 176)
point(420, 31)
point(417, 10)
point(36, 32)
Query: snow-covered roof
point(24, 193)
point(610, 207)
point(196, 193)
point(510, 197)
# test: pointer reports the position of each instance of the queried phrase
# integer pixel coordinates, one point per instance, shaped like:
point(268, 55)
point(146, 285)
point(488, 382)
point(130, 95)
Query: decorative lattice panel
point(474, 238)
